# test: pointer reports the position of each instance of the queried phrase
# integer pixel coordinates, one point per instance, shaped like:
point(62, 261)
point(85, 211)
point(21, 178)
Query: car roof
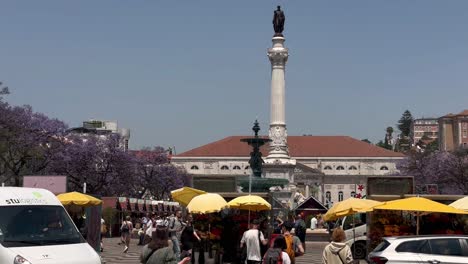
point(424, 237)
point(21, 196)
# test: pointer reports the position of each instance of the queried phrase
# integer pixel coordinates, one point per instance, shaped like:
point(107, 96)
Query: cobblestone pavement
point(113, 253)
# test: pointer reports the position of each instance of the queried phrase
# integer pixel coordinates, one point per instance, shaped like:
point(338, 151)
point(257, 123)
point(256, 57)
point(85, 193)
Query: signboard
point(55, 184)
point(390, 185)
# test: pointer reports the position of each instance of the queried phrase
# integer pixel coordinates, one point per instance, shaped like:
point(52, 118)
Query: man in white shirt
point(313, 223)
point(252, 239)
point(149, 225)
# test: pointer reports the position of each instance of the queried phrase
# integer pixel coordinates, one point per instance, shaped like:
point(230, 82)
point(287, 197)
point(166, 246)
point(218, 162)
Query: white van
point(36, 229)
point(355, 228)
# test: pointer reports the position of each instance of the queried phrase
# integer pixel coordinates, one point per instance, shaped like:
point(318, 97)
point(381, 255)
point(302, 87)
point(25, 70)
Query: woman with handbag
point(337, 252)
point(125, 230)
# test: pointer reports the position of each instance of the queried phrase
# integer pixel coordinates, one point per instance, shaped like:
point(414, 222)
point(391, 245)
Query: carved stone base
point(279, 170)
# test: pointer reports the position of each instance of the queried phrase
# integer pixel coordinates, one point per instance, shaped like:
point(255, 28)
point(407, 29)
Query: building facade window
point(352, 168)
point(194, 167)
point(353, 194)
point(340, 196)
point(247, 167)
point(236, 168)
point(224, 167)
point(328, 197)
point(384, 168)
point(327, 168)
point(340, 168)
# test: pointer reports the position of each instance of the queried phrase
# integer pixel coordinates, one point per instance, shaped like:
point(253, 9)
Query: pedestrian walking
point(159, 250)
point(277, 254)
point(293, 243)
point(125, 230)
point(175, 231)
point(187, 238)
point(252, 239)
point(313, 223)
point(103, 232)
point(300, 229)
point(337, 252)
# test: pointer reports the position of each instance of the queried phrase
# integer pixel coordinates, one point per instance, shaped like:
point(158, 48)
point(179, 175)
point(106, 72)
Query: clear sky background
point(186, 73)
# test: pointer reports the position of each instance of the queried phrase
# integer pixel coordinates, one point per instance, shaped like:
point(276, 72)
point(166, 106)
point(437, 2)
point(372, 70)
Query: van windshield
point(22, 226)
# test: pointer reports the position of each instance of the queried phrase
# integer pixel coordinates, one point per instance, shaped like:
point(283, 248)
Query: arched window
point(353, 194)
point(247, 167)
point(236, 168)
point(384, 168)
point(328, 196)
point(352, 168)
point(194, 167)
point(340, 196)
point(224, 167)
point(340, 168)
point(327, 168)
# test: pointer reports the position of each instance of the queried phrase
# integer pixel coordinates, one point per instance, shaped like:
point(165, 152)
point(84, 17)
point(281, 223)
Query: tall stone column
point(278, 56)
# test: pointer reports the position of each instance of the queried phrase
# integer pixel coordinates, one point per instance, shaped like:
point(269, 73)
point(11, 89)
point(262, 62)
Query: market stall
point(88, 208)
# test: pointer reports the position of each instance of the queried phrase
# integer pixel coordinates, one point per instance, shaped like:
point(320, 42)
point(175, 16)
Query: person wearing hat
point(251, 240)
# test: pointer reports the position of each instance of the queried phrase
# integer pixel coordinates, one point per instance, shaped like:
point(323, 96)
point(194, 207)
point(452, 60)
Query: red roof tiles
point(299, 146)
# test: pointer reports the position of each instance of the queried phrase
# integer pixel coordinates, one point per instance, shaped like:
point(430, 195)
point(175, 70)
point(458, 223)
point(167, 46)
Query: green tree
point(366, 140)
point(404, 124)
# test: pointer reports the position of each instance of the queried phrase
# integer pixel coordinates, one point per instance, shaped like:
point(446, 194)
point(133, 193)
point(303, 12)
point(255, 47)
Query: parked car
point(433, 249)
point(355, 229)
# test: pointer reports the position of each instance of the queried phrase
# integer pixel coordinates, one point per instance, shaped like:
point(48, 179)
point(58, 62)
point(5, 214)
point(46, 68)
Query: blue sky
point(186, 73)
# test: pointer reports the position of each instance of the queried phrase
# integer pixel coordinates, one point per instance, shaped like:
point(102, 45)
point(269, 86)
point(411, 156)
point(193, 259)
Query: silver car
point(432, 249)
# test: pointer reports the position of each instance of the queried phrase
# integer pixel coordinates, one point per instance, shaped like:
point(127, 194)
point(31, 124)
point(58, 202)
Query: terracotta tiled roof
point(299, 146)
point(462, 113)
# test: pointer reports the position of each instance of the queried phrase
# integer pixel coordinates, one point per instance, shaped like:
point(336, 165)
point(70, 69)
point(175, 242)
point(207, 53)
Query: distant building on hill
point(104, 128)
point(424, 128)
point(453, 131)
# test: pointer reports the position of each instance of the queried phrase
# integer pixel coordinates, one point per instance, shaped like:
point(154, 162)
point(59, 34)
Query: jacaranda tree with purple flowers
point(28, 142)
point(155, 175)
point(449, 170)
point(98, 161)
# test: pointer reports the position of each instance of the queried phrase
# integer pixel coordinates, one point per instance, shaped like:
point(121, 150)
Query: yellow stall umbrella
point(418, 206)
point(80, 199)
point(350, 206)
point(185, 194)
point(250, 202)
point(461, 204)
point(207, 203)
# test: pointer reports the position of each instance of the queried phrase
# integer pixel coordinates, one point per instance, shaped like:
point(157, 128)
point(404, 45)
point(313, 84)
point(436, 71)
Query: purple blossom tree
point(97, 160)
point(155, 175)
point(28, 142)
point(449, 170)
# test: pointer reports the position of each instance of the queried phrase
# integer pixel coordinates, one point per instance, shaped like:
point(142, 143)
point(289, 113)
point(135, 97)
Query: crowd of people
point(172, 239)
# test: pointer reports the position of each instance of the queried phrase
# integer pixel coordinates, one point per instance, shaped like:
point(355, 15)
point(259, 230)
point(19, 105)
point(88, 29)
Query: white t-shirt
point(313, 223)
point(286, 259)
point(149, 228)
point(250, 239)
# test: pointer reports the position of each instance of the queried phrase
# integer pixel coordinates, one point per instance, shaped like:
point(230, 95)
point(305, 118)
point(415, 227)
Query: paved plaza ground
point(113, 253)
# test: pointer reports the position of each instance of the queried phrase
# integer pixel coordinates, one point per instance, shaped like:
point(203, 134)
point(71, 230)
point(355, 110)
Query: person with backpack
point(300, 229)
point(337, 252)
point(125, 230)
point(251, 239)
point(276, 254)
point(293, 243)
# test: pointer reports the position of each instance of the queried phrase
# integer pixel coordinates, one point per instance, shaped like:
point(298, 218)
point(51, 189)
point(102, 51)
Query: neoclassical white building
point(331, 168)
